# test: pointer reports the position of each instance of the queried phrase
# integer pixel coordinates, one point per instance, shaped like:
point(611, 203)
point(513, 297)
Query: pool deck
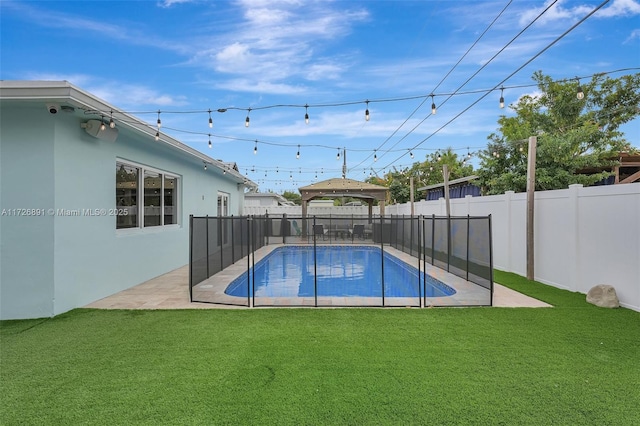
point(171, 291)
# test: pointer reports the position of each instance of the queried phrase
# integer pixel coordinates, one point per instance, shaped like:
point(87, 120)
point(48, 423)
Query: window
point(158, 198)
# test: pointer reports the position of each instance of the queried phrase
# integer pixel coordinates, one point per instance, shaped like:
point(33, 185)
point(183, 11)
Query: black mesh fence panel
point(198, 269)
point(341, 260)
point(440, 238)
point(480, 252)
point(458, 247)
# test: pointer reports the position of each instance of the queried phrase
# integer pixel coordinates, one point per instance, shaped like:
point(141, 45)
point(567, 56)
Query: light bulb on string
point(157, 136)
point(375, 156)
point(366, 112)
point(411, 154)
point(112, 123)
point(102, 126)
point(255, 148)
point(306, 114)
point(502, 97)
point(298, 153)
point(159, 123)
point(210, 120)
point(338, 155)
point(580, 93)
point(439, 156)
point(210, 141)
point(468, 153)
point(433, 105)
point(246, 121)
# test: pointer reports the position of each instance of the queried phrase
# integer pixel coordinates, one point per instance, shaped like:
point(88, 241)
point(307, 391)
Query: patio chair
point(296, 228)
point(358, 231)
point(319, 230)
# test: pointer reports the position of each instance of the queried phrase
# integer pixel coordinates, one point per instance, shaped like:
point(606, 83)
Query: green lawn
point(568, 365)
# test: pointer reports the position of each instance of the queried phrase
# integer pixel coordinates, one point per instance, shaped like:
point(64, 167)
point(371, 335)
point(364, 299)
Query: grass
point(568, 365)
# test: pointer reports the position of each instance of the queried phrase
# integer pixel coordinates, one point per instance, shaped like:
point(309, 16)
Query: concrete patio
point(171, 291)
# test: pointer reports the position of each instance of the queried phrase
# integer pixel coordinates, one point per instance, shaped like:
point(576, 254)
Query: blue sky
point(181, 56)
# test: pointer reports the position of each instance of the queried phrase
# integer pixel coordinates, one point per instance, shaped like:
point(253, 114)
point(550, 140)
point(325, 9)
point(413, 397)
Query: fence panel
point(341, 261)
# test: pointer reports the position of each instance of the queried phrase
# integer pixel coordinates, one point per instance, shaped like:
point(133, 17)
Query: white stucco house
point(88, 211)
point(265, 199)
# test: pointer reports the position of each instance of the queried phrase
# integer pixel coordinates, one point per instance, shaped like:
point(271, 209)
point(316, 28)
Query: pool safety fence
point(436, 255)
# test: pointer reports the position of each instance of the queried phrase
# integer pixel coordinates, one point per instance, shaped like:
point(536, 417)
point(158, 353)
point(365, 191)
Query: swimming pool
point(341, 271)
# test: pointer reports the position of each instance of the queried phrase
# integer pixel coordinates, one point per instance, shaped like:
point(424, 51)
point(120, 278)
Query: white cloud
point(278, 41)
point(82, 26)
point(263, 87)
point(117, 93)
point(620, 8)
point(169, 3)
point(635, 34)
point(555, 13)
point(559, 11)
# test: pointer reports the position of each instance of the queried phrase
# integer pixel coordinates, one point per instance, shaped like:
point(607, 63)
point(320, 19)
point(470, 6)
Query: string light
point(246, 121)
point(338, 156)
point(306, 114)
point(102, 126)
point(112, 123)
point(210, 141)
point(159, 122)
point(433, 105)
point(502, 97)
point(439, 156)
point(468, 153)
point(205, 166)
point(366, 112)
point(157, 136)
point(298, 153)
point(580, 94)
point(255, 148)
point(210, 120)
point(411, 154)
point(375, 155)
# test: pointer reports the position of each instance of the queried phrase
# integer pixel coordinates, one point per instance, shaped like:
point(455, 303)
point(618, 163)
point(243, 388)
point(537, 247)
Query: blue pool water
point(341, 271)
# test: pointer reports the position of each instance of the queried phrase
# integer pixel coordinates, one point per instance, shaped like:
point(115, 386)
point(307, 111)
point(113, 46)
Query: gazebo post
point(304, 218)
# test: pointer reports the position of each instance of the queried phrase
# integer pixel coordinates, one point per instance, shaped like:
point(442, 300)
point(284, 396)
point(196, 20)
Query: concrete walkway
point(171, 291)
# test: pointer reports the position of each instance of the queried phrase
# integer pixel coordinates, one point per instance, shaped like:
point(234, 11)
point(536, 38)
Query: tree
point(293, 196)
point(578, 140)
point(428, 172)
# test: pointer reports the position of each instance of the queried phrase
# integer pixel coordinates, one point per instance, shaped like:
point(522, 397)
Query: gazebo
point(343, 187)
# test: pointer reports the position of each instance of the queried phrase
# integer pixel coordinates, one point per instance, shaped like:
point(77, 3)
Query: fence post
point(468, 233)
point(382, 254)
point(433, 237)
point(221, 239)
point(491, 260)
point(315, 266)
point(207, 240)
point(419, 255)
point(190, 258)
point(251, 277)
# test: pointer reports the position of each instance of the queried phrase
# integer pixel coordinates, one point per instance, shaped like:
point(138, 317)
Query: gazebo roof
point(339, 187)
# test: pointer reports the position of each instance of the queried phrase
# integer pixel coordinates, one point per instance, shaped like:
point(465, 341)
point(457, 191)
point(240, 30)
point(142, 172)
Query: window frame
point(222, 197)
point(177, 198)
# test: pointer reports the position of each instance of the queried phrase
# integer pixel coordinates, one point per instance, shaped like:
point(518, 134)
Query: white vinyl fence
point(583, 236)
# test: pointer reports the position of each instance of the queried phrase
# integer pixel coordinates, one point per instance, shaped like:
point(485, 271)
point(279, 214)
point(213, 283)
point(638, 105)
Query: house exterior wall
point(52, 263)
point(263, 202)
